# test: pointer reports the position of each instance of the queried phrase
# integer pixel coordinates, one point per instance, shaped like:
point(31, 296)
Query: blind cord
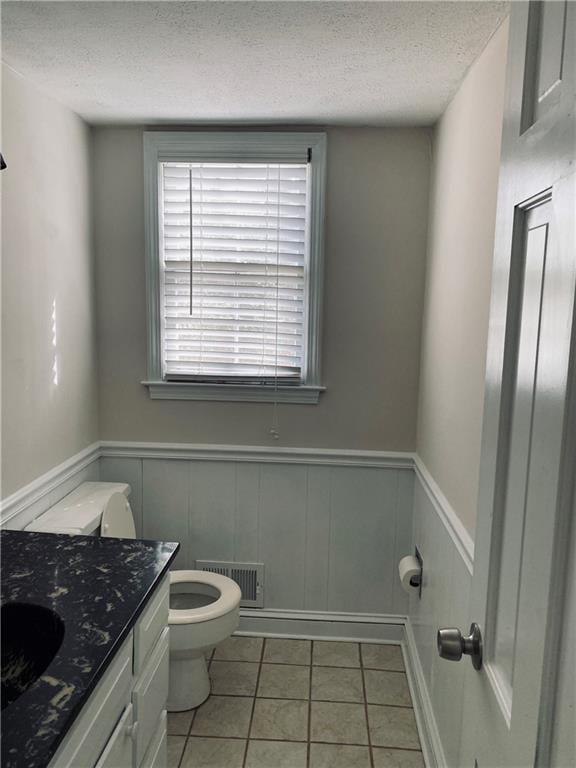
point(275, 428)
point(191, 244)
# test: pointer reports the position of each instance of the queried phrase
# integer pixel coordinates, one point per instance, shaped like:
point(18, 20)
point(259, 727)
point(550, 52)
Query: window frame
point(183, 146)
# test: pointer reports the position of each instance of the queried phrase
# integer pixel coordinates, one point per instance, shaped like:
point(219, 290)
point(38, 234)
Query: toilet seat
point(117, 520)
point(228, 600)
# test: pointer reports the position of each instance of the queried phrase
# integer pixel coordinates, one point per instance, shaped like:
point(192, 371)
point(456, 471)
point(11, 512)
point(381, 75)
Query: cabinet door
point(156, 755)
point(151, 625)
point(118, 752)
point(150, 695)
point(90, 733)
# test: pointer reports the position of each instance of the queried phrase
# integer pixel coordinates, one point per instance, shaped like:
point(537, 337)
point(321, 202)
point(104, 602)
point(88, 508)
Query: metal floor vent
point(248, 576)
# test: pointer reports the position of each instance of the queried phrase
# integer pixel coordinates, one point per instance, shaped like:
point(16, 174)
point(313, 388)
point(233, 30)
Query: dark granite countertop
point(98, 587)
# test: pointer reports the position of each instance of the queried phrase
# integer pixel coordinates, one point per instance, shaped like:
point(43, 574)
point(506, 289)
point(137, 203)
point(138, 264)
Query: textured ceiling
point(359, 63)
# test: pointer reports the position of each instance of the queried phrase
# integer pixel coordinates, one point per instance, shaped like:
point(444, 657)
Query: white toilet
point(204, 607)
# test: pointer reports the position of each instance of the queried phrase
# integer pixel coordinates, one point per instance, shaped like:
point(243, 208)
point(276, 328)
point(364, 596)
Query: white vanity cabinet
point(123, 723)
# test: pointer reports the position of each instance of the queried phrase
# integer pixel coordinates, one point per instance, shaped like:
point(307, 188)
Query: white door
point(529, 435)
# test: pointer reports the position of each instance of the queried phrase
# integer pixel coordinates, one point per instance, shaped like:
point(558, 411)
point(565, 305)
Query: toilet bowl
point(204, 607)
point(203, 613)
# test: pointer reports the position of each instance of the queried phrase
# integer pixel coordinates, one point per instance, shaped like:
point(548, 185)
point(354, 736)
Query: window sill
point(249, 393)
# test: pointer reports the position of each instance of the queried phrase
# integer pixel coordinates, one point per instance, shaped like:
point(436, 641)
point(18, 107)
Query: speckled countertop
point(98, 587)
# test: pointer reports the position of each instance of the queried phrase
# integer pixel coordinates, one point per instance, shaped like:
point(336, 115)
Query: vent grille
point(248, 576)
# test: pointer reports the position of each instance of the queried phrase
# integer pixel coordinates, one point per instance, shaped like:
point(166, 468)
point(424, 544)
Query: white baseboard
point(312, 625)
point(427, 727)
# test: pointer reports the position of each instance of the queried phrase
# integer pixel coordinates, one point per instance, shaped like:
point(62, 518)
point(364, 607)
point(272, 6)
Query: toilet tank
point(80, 512)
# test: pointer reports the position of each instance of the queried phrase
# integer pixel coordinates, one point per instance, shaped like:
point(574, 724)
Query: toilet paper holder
point(410, 573)
point(416, 581)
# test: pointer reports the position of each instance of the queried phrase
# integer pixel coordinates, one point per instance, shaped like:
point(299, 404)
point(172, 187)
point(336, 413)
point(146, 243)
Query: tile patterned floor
point(300, 704)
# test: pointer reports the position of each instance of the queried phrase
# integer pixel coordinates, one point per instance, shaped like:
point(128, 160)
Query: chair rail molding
point(39, 491)
point(261, 454)
point(458, 533)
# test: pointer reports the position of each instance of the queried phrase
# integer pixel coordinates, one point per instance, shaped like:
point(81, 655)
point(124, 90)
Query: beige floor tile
point(328, 653)
point(235, 678)
point(175, 749)
point(214, 753)
point(280, 719)
point(397, 758)
point(239, 649)
point(279, 651)
point(284, 681)
point(223, 716)
point(338, 756)
point(387, 688)
point(338, 723)
point(179, 722)
point(376, 656)
point(393, 727)
point(331, 684)
point(276, 754)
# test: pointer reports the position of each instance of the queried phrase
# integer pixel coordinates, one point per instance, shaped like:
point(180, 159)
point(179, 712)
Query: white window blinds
point(233, 252)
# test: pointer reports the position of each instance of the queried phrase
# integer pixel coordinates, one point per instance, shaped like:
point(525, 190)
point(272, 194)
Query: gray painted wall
point(48, 307)
point(464, 187)
point(376, 221)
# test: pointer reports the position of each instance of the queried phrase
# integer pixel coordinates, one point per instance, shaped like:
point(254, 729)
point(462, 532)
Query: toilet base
point(189, 683)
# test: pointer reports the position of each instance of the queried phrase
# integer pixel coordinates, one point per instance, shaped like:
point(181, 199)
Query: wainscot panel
point(447, 577)
point(329, 527)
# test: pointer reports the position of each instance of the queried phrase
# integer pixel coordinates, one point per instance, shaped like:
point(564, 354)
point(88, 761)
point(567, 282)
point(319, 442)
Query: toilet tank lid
point(79, 512)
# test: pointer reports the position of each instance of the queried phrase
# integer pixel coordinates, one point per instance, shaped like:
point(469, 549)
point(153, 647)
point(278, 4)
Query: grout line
point(179, 763)
point(253, 703)
point(390, 706)
point(397, 748)
point(366, 710)
point(235, 661)
point(323, 666)
point(296, 698)
point(301, 741)
point(209, 661)
point(187, 736)
point(382, 669)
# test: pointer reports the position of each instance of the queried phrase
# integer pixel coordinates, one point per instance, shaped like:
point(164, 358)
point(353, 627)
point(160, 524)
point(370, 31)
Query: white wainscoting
point(330, 526)
point(447, 553)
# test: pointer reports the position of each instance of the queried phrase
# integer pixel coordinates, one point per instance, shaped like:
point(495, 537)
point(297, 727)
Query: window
point(234, 264)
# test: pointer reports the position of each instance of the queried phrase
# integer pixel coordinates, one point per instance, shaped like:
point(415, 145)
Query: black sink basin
point(31, 637)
